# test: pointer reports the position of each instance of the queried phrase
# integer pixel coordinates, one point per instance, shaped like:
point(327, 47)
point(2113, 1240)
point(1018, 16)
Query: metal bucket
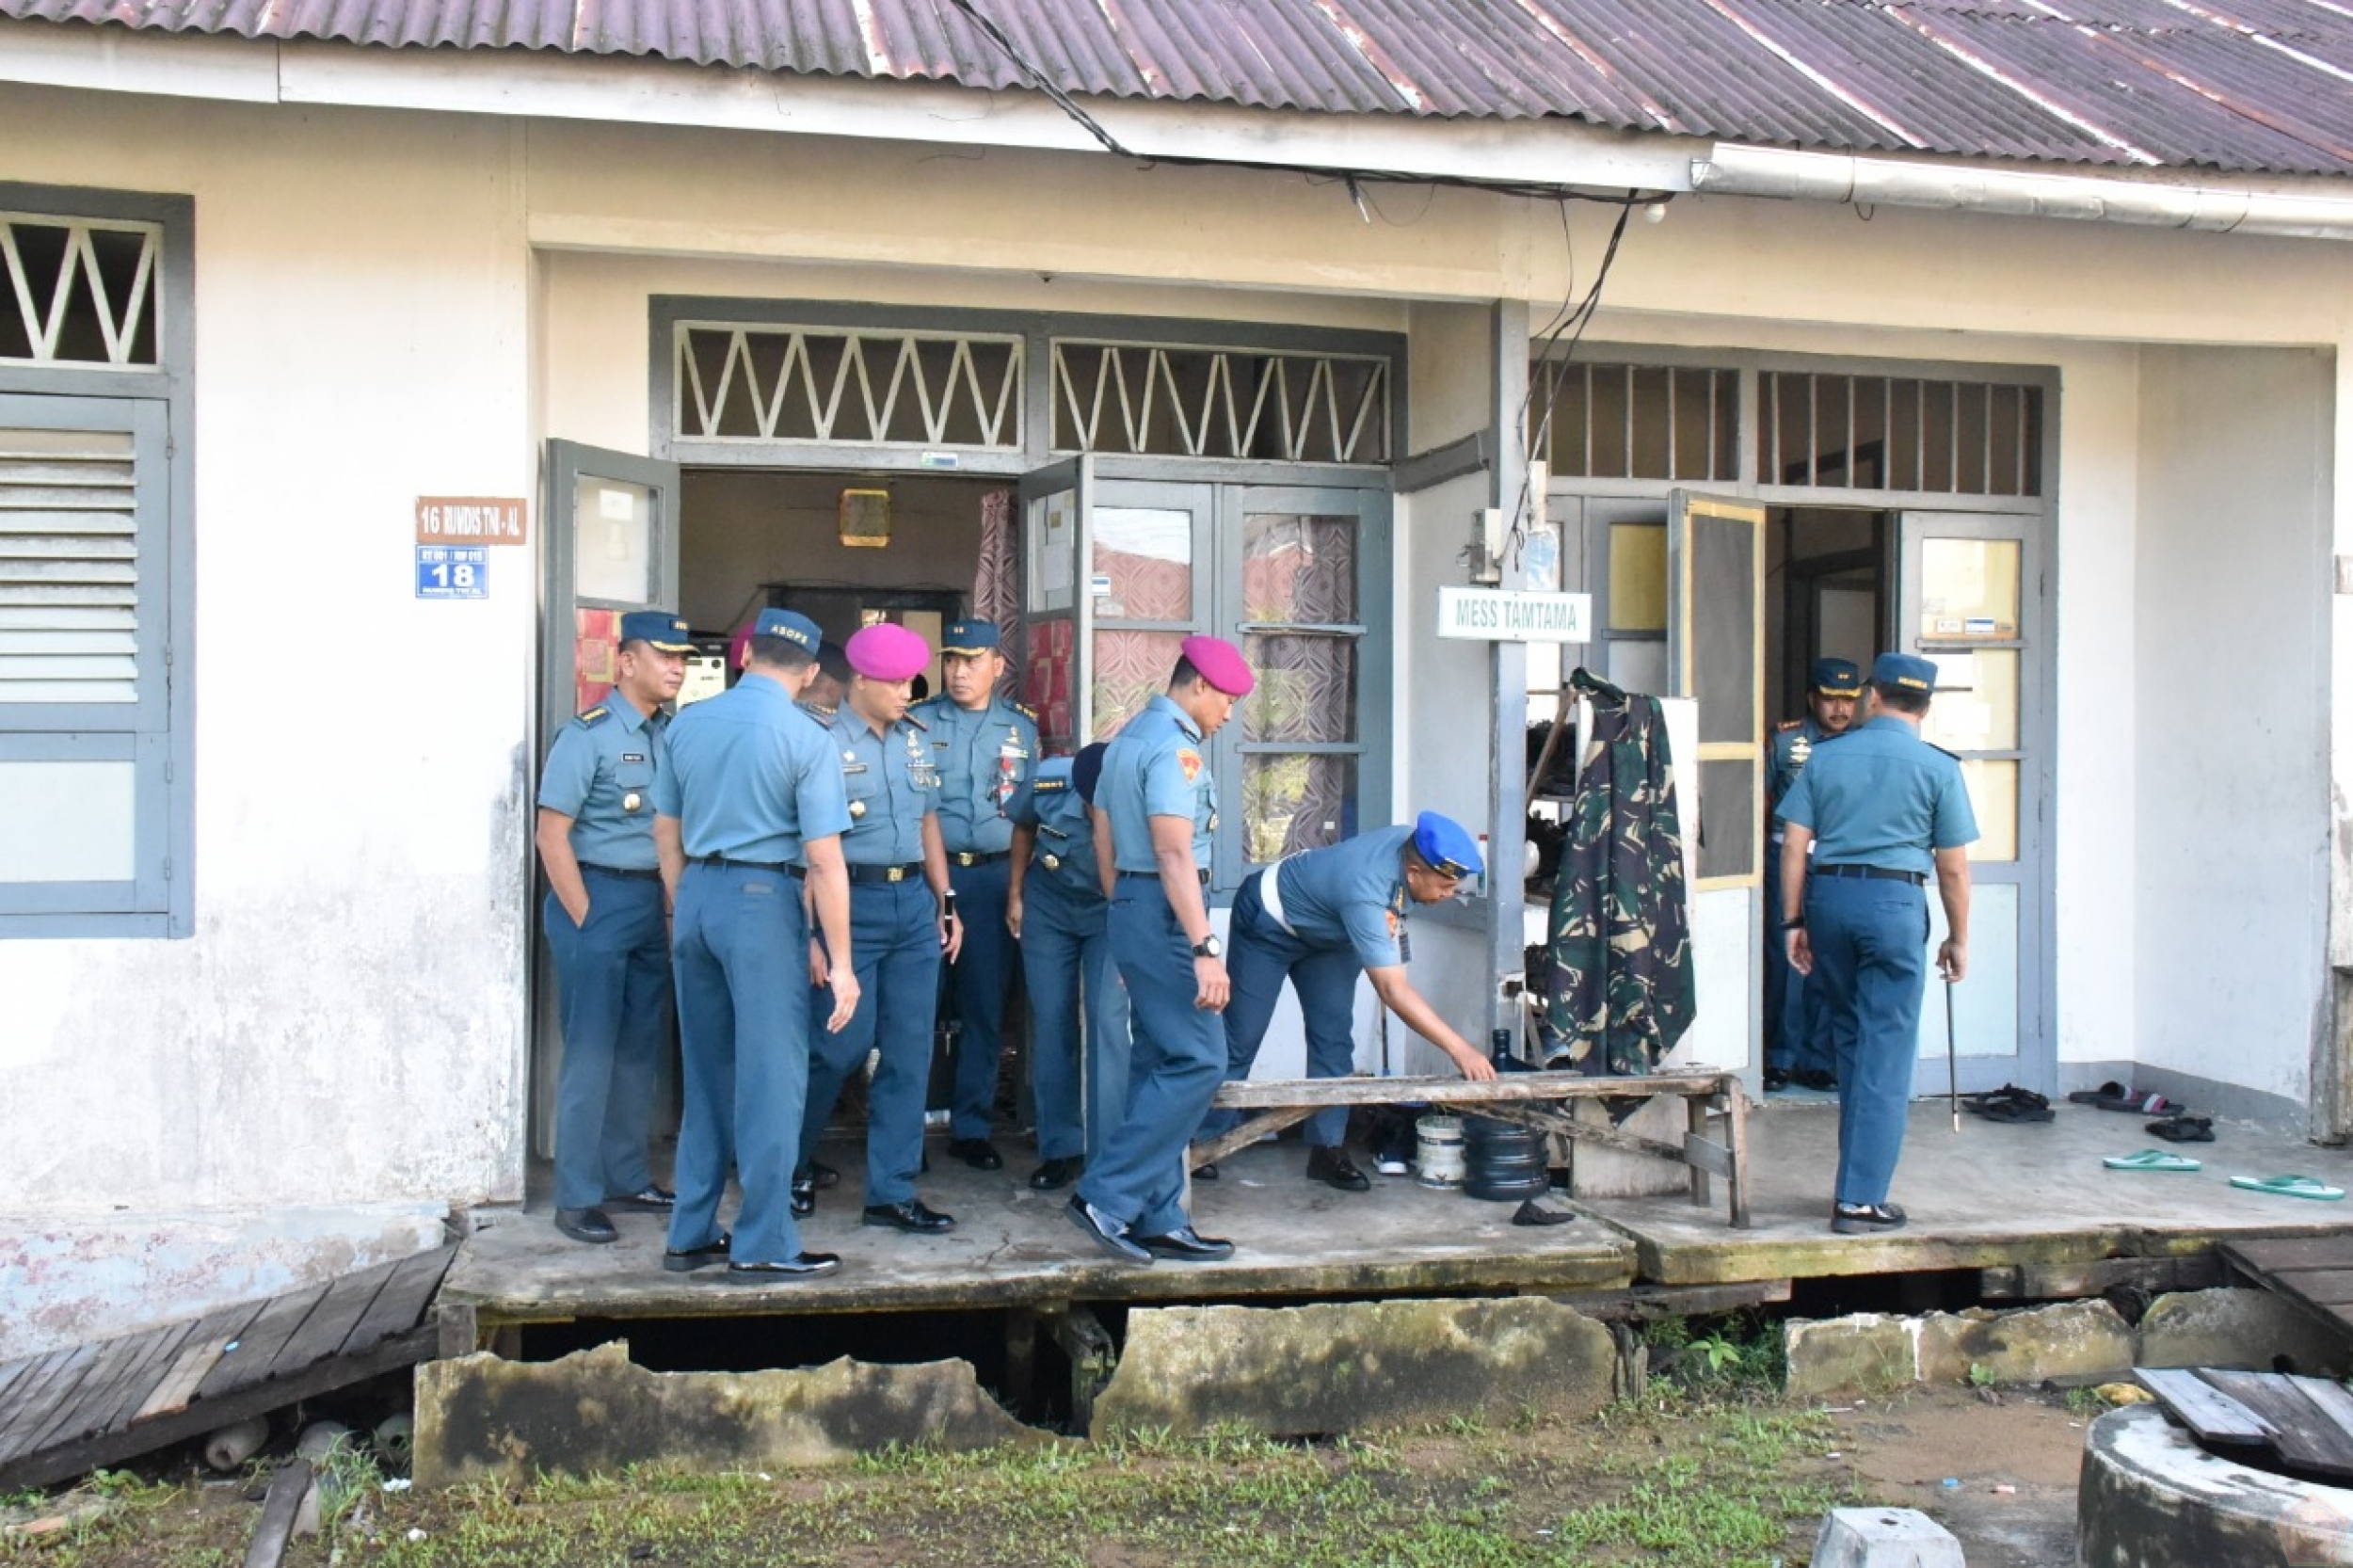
point(1438, 1151)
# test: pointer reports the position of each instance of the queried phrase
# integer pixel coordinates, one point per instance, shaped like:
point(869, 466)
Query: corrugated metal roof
point(2243, 85)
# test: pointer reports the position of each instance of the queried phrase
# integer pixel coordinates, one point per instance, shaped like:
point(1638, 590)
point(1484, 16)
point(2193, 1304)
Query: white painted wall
point(2233, 573)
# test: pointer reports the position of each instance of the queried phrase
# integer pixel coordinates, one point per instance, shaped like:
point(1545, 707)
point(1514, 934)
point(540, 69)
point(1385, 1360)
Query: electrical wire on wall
point(1575, 315)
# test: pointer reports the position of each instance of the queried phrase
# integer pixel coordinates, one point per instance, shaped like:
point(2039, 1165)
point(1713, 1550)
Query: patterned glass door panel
point(1147, 590)
point(1052, 510)
point(1301, 740)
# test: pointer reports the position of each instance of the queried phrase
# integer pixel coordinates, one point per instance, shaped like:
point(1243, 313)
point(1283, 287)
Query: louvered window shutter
point(83, 617)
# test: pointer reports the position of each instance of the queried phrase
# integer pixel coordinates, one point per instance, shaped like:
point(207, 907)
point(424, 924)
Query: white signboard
point(1515, 616)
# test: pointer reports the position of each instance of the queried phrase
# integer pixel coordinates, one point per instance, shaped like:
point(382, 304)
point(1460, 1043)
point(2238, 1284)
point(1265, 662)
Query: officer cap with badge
point(969, 639)
point(1836, 677)
point(791, 626)
point(1905, 672)
point(657, 630)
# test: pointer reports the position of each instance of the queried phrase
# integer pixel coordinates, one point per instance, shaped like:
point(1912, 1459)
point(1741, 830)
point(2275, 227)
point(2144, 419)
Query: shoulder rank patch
point(1788, 724)
point(911, 719)
point(1023, 709)
point(1190, 760)
point(590, 718)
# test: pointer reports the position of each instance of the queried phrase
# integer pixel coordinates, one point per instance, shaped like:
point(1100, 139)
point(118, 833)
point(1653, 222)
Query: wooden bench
point(1539, 1100)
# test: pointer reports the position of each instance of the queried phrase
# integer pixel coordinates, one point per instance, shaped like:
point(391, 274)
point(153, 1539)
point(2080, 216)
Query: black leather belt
point(912, 871)
point(976, 857)
point(615, 870)
point(784, 866)
point(1876, 873)
point(1155, 877)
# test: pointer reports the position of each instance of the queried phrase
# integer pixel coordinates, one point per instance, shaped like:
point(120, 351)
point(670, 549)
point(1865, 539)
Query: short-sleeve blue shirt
point(891, 786)
point(986, 758)
point(601, 772)
point(1158, 765)
point(1066, 836)
point(751, 776)
point(1349, 895)
point(1879, 795)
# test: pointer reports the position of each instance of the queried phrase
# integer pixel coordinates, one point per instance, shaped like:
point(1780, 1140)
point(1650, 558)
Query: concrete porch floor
point(1992, 1195)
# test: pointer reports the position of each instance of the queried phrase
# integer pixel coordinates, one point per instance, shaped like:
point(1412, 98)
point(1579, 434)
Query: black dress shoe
point(1205, 1173)
point(827, 1177)
point(587, 1225)
point(803, 1267)
point(647, 1197)
point(979, 1153)
point(1331, 1167)
point(910, 1216)
point(686, 1260)
point(1776, 1079)
point(1106, 1232)
point(1866, 1219)
point(1186, 1245)
point(804, 1198)
point(1056, 1174)
point(1816, 1078)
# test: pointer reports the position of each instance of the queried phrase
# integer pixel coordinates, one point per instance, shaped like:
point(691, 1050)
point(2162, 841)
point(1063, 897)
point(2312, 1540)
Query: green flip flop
point(2152, 1159)
point(2289, 1187)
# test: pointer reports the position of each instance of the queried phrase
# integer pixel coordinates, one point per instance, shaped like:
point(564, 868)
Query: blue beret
point(793, 628)
point(660, 628)
point(1836, 677)
point(1907, 670)
point(1446, 845)
point(969, 637)
point(1087, 768)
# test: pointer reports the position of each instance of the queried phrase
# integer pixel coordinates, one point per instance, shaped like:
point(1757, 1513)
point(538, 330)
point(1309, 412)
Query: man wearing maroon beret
point(1161, 803)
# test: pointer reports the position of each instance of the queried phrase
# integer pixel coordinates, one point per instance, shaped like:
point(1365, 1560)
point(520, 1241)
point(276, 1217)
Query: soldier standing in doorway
point(986, 749)
point(605, 930)
point(1794, 1049)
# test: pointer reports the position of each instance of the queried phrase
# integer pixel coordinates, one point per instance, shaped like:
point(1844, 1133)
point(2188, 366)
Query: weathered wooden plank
point(251, 1399)
point(460, 1330)
point(2302, 1432)
point(139, 1380)
point(55, 1382)
point(279, 1507)
point(1265, 1125)
point(330, 1322)
point(2321, 1286)
point(401, 1302)
point(1737, 1141)
point(1703, 1153)
point(2330, 1397)
point(2207, 1410)
point(1646, 1303)
point(2271, 1256)
point(13, 1373)
point(258, 1347)
point(2091, 1277)
point(202, 1350)
point(1263, 1092)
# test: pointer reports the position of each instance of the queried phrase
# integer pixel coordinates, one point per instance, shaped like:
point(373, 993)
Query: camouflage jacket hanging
point(1618, 992)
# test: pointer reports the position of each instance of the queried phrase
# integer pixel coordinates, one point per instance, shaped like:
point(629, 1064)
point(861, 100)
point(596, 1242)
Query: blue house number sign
point(453, 571)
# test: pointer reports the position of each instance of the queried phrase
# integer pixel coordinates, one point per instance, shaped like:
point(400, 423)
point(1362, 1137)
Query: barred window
point(1900, 433)
point(79, 292)
point(1168, 401)
point(1637, 421)
point(831, 387)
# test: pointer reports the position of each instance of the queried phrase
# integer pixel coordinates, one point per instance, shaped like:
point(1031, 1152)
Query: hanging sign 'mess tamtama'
point(1515, 616)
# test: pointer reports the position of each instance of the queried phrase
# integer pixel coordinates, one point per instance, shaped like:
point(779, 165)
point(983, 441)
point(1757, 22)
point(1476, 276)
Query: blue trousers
point(1258, 959)
point(1870, 960)
point(1081, 1078)
point(742, 952)
point(1175, 1065)
point(979, 982)
point(894, 949)
point(613, 994)
point(1794, 1020)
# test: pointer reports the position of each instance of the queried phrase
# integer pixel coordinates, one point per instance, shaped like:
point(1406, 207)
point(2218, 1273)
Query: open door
point(1970, 598)
point(1715, 647)
point(611, 526)
point(1056, 616)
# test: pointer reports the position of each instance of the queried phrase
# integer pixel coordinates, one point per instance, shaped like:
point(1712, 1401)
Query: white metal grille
point(69, 566)
point(1637, 421)
point(1175, 402)
point(1900, 433)
point(826, 387)
point(78, 292)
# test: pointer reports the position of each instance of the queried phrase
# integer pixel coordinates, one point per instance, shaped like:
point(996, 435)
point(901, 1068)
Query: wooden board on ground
point(2303, 1433)
point(2314, 1272)
point(2211, 1415)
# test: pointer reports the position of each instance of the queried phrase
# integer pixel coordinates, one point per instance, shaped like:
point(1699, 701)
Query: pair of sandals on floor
point(2175, 1123)
point(2277, 1186)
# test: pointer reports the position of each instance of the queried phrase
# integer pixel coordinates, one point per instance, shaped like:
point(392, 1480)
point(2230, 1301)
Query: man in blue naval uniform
point(603, 920)
point(902, 920)
point(750, 817)
point(1054, 906)
point(1794, 1051)
point(1881, 809)
point(986, 749)
point(1161, 801)
point(1318, 919)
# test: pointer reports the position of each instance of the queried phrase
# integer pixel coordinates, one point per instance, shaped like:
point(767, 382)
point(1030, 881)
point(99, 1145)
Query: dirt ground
point(2014, 1457)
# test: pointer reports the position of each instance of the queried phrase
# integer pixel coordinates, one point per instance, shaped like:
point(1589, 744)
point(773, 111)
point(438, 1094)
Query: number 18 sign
point(453, 571)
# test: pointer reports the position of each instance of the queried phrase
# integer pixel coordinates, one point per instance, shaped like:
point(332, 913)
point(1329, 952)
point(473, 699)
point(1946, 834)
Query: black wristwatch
point(1208, 947)
point(1793, 923)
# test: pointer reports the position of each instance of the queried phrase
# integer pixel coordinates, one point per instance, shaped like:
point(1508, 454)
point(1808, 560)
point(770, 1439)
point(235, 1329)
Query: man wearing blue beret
point(986, 749)
point(1879, 809)
point(1318, 919)
point(605, 931)
point(1795, 1050)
